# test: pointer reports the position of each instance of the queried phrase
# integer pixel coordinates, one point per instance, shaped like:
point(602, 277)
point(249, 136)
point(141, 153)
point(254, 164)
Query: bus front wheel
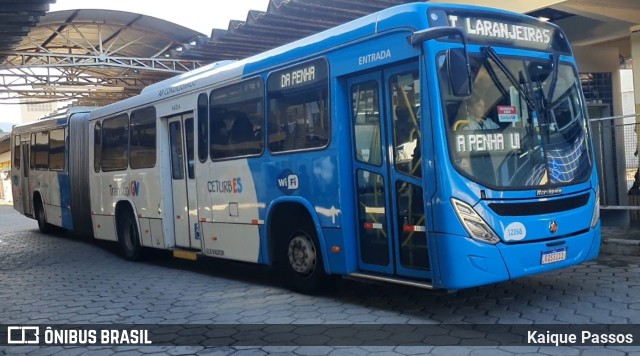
point(128, 238)
point(302, 260)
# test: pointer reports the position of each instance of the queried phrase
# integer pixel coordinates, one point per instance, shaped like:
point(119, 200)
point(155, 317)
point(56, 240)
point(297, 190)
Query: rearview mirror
point(459, 72)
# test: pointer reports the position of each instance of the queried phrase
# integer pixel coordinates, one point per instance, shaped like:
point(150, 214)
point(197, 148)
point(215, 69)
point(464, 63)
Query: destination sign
point(484, 27)
point(487, 141)
point(298, 76)
point(493, 29)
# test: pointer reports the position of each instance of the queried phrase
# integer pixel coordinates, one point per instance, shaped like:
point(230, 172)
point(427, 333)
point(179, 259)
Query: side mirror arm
point(461, 76)
point(436, 32)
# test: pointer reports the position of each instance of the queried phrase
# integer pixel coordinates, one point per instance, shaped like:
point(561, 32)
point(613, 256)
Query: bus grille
point(542, 207)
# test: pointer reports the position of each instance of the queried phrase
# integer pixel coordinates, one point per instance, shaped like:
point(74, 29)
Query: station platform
point(620, 235)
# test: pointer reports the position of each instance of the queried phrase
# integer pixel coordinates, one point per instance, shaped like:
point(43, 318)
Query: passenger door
point(385, 120)
point(183, 182)
point(24, 177)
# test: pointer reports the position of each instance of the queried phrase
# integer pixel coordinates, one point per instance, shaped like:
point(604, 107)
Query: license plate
point(557, 255)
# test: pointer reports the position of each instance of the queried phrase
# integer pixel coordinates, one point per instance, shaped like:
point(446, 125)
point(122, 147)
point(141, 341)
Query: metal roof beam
point(60, 29)
point(119, 32)
point(341, 13)
point(279, 20)
point(69, 87)
point(63, 96)
point(250, 39)
point(18, 79)
point(50, 60)
point(273, 32)
point(66, 91)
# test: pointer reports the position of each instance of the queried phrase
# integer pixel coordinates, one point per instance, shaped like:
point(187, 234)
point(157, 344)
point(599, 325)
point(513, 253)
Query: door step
point(404, 282)
point(185, 255)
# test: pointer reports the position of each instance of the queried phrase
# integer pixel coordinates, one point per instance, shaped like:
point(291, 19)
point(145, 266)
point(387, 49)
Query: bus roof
point(55, 119)
point(167, 82)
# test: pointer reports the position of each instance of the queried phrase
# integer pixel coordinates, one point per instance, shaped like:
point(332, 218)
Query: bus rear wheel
point(301, 259)
point(128, 238)
point(43, 225)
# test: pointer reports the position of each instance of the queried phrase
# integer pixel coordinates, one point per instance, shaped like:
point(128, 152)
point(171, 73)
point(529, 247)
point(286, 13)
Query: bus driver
point(477, 120)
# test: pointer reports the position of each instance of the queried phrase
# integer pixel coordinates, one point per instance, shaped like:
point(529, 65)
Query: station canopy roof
point(17, 17)
point(93, 56)
point(284, 21)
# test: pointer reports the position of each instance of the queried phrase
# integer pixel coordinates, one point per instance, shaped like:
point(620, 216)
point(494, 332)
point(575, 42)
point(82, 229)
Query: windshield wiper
point(491, 53)
point(525, 94)
point(554, 79)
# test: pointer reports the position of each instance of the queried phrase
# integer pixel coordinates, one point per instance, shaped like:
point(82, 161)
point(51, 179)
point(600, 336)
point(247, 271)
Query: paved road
point(60, 280)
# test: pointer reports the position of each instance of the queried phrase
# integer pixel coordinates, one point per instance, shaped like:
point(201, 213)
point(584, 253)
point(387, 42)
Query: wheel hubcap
point(302, 254)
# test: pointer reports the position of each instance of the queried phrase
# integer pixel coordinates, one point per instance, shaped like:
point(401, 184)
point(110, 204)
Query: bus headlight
point(474, 224)
point(596, 210)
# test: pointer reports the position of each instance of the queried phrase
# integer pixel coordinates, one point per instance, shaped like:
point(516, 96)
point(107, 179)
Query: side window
point(177, 154)
point(188, 138)
point(142, 141)
point(32, 151)
point(97, 147)
point(236, 119)
point(203, 128)
point(365, 108)
point(299, 107)
point(42, 150)
point(57, 148)
point(16, 152)
point(115, 143)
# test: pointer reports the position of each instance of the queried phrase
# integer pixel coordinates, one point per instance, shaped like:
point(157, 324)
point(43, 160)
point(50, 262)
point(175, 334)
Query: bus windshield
point(523, 126)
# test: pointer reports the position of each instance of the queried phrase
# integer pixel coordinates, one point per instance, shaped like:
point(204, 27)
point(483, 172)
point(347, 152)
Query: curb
point(620, 247)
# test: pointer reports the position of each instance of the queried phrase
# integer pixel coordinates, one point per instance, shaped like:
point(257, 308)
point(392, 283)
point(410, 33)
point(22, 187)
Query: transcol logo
point(132, 189)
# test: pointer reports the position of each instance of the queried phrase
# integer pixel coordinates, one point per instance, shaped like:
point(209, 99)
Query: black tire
point(43, 225)
point(300, 259)
point(129, 238)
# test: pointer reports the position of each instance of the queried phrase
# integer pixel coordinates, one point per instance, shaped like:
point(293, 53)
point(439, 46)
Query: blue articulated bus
point(431, 145)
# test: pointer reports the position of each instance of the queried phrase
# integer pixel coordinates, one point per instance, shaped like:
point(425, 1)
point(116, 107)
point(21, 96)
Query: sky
point(199, 15)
